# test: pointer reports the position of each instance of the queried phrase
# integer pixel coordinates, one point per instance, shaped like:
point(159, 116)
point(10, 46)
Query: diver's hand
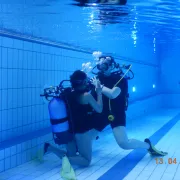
point(95, 82)
point(97, 85)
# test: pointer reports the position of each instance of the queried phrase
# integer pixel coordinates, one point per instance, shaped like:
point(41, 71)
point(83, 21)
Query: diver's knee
point(123, 144)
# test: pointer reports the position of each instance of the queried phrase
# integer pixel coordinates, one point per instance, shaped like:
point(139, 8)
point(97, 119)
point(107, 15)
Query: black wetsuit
point(118, 105)
point(81, 114)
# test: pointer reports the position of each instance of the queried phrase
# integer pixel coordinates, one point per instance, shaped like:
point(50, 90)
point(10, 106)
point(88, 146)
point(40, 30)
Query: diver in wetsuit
point(82, 107)
point(115, 101)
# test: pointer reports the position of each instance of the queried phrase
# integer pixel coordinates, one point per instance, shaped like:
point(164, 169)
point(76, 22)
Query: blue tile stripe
point(28, 38)
point(24, 138)
point(125, 165)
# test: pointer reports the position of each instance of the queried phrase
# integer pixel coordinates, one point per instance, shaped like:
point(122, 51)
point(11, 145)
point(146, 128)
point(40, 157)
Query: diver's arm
point(111, 93)
point(96, 105)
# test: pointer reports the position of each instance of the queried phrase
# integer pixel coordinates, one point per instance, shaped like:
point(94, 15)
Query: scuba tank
point(59, 121)
point(58, 113)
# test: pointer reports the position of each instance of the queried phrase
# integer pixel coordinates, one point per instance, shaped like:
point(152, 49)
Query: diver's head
point(80, 82)
point(106, 65)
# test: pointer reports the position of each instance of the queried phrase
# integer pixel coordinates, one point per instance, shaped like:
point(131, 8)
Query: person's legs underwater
point(125, 143)
point(83, 142)
point(71, 148)
point(84, 147)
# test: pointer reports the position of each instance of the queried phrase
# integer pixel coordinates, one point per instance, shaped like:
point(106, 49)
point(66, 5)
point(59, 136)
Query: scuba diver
point(115, 103)
point(82, 107)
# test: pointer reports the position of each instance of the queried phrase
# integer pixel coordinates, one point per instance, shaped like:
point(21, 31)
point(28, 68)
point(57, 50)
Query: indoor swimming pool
point(102, 75)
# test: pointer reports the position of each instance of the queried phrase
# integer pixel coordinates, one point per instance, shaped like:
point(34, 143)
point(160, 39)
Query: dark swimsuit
point(81, 115)
point(118, 105)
